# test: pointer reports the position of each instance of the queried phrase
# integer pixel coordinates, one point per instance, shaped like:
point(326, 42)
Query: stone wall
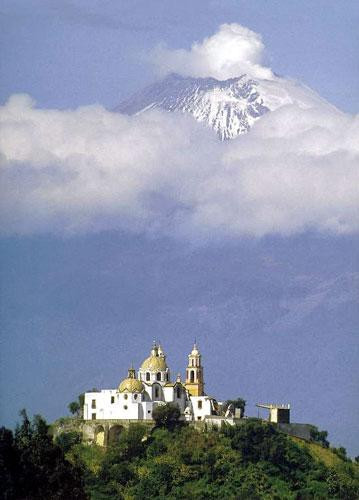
point(298, 430)
point(101, 432)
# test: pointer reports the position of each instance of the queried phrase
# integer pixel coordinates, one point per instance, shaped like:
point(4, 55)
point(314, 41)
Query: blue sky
point(275, 315)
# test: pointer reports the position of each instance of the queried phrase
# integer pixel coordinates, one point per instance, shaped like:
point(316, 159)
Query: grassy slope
point(319, 453)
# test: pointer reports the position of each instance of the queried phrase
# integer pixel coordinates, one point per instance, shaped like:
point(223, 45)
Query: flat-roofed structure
point(278, 414)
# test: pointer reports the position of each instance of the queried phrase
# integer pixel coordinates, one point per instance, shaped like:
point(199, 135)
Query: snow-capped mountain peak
point(230, 107)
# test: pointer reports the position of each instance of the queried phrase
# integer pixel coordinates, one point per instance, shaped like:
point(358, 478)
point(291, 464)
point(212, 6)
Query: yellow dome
point(154, 364)
point(131, 385)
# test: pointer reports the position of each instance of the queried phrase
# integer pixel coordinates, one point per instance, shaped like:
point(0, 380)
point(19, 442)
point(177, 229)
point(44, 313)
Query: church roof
point(154, 364)
point(131, 383)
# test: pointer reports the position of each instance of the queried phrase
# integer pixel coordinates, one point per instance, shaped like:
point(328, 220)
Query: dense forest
point(176, 461)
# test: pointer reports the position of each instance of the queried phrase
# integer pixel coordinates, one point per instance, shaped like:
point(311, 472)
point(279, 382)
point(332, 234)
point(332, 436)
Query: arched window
point(158, 376)
point(148, 376)
point(167, 377)
point(178, 391)
point(192, 376)
point(135, 396)
point(157, 392)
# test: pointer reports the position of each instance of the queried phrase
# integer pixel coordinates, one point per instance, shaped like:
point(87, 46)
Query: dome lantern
point(160, 351)
point(154, 350)
point(154, 368)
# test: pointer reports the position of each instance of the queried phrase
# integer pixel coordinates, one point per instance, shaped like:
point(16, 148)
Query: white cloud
point(231, 52)
point(90, 169)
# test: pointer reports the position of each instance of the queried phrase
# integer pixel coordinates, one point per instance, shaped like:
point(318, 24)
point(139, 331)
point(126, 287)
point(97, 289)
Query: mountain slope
point(229, 107)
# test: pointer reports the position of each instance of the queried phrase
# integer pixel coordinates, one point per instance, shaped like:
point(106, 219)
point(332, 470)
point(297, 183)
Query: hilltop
point(253, 461)
point(175, 460)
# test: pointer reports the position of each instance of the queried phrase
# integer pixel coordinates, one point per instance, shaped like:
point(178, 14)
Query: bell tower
point(194, 373)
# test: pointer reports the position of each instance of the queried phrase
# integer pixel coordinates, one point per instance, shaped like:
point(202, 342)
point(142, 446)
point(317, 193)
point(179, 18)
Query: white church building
point(138, 394)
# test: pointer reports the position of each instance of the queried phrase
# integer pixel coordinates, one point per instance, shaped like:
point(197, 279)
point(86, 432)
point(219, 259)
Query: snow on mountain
point(230, 107)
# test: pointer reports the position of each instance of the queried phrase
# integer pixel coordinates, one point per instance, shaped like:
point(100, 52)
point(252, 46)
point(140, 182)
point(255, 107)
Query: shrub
point(166, 416)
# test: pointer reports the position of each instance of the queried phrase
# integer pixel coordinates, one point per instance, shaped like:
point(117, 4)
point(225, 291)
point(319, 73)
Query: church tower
point(194, 373)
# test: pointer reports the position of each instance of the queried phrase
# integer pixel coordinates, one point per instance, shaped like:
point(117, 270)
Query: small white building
point(137, 395)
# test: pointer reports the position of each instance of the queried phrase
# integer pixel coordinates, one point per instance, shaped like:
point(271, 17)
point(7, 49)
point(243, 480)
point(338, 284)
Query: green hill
point(178, 461)
point(250, 461)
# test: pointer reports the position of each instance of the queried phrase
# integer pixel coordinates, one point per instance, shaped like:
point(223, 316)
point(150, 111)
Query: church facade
point(139, 393)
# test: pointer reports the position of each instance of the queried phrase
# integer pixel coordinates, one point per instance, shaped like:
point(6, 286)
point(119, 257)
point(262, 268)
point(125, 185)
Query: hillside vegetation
point(249, 461)
point(319, 453)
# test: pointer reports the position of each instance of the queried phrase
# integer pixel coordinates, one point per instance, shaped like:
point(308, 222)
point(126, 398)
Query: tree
point(319, 436)
point(81, 399)
point(8, 464)
point(66, 440)
point(74, 408)
point(166, 415)
point(33, 466)
point(341, 452)
point(236, 403)
point(343, 482)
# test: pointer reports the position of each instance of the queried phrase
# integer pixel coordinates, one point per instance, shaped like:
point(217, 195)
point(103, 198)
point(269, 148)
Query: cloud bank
point(90, 170)
point(233, 51)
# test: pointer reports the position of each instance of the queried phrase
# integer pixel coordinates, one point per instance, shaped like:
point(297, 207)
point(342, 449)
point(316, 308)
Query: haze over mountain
point(230, 107)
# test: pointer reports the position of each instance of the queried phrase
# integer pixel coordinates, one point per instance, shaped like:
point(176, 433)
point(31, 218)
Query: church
point(138, 394)
point(108, 411)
